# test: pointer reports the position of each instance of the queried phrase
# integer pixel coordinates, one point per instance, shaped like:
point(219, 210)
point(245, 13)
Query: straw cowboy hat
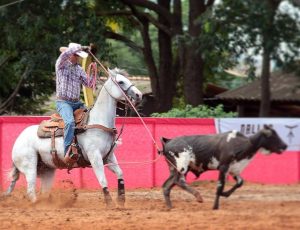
point(71, 45)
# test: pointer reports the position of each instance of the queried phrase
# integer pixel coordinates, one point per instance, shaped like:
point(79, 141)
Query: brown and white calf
point(227, 152)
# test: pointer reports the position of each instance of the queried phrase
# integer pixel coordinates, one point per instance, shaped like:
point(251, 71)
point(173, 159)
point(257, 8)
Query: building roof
point(285, 87)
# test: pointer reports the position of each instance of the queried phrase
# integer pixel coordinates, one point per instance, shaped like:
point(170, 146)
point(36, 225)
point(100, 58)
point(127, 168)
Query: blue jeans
point(65, 110)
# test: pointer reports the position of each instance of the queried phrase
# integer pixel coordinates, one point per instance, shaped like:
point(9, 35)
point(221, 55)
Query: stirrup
point(71, 156)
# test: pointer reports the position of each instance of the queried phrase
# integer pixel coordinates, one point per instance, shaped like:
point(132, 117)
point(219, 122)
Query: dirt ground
point(254, 206)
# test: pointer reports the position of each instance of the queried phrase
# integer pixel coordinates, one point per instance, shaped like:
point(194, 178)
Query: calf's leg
point(168, 185)
point(239, 183)
point(182, 183)
point(221, 183)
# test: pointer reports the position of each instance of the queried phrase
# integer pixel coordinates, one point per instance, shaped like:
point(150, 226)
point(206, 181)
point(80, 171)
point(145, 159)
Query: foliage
point(203, 111)
point(236, 27)
point(127, 59)
point(33, 32)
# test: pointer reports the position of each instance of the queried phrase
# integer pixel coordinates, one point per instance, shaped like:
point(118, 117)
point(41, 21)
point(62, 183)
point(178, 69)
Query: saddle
point(55, 128)
point(56, 124)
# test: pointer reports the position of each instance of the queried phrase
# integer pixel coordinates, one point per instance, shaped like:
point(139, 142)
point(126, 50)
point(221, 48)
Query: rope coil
point(92, 73)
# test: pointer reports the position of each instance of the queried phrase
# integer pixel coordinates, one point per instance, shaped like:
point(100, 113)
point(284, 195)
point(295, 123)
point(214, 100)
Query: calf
point(227, 152)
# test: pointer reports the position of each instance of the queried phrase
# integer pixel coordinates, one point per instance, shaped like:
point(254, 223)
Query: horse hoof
point(121, 201)
point(109, 202)
point(110, 205)
point(199, 198)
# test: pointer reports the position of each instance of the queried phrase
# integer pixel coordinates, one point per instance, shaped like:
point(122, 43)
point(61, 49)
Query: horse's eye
point(121, 82)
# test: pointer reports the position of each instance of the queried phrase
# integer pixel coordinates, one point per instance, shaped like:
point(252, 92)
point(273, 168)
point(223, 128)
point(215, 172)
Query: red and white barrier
point(137, 154)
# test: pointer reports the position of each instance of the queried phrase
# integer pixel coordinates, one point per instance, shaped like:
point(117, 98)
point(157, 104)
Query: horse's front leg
point(96, 161)
point(115, 168)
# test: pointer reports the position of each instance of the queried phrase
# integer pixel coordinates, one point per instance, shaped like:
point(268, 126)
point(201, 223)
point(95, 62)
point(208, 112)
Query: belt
point(67, 99)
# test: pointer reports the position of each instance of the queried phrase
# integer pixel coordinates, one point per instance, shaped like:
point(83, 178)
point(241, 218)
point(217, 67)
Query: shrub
point(199, 111)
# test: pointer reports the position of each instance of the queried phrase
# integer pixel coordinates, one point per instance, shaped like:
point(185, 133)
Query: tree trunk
point(167, 80)
point(148, 57)
point(194, 64)
point(265, 102)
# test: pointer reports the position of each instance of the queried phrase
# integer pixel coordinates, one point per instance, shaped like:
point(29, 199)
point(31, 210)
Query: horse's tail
point(13, 175)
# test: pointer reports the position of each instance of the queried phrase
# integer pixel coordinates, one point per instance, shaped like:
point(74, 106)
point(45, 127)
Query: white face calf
point(227, 152)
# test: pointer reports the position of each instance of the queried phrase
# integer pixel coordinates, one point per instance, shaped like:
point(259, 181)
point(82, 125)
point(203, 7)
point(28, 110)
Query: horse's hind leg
point(30, 176)
point(47, 177)
point(28, 166)
point(114, 167)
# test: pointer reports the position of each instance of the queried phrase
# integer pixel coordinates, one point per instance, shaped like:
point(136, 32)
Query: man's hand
point(86, 48)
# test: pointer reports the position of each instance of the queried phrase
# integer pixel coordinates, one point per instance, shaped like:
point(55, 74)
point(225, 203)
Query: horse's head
point(118, 84)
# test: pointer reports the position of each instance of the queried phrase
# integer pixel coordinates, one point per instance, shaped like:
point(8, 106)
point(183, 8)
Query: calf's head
point(271, 141)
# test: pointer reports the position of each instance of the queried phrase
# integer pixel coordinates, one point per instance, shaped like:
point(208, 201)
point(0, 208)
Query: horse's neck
point(104, 110)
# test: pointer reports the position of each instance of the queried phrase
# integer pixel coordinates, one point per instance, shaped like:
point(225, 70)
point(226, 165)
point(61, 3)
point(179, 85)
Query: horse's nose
point(138, 97)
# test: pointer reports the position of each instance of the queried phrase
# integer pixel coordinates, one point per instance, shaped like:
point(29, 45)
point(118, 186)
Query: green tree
point(177, 57)
point(33, 31)
point(262, 27)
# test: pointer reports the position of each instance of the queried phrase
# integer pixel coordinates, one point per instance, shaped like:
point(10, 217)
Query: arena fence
point(137, 153)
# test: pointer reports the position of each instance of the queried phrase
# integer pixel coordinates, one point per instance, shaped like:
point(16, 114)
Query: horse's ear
point(111, 73)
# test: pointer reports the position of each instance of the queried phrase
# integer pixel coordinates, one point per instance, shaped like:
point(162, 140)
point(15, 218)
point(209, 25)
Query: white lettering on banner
point(287, 129)
point(250, 129)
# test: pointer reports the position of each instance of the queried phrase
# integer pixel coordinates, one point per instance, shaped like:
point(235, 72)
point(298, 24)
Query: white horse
point(29, 149)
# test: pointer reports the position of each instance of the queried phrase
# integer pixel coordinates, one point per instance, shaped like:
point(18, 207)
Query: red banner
point(138, 158)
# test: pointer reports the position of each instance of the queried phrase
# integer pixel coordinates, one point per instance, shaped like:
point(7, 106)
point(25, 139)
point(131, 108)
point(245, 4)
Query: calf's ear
point(164, 140)
point(267, 132)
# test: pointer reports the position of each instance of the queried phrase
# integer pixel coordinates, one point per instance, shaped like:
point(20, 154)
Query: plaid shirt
point(69, 77)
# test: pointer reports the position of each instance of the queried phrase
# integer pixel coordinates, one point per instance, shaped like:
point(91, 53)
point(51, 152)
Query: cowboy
point(69, 78)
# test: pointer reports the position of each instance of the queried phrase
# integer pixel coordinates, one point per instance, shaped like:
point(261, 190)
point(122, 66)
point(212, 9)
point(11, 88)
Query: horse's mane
point(121, 72)
point(115, 71)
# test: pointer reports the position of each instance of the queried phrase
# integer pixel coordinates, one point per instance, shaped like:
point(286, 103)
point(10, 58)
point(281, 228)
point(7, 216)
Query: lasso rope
point(9, 4)
point(145, 126)
point(92, 73)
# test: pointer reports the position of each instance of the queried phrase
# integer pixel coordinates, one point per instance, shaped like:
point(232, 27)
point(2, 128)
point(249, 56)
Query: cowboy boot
point(72, 155)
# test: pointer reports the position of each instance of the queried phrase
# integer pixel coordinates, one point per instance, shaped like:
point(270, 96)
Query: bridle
point(125, 91)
